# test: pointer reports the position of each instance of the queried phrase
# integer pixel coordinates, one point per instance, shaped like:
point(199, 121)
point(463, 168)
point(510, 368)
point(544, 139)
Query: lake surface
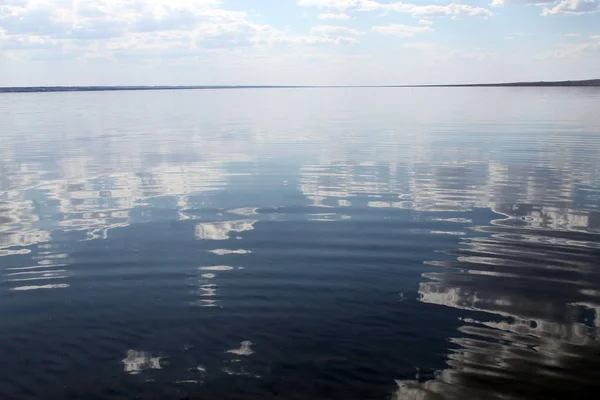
point(300, 244)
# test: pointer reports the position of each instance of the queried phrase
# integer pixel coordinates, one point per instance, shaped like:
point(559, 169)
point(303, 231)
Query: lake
point(342, 243)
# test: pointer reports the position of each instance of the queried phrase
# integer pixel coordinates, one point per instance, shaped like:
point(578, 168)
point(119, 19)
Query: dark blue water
point(300, 244)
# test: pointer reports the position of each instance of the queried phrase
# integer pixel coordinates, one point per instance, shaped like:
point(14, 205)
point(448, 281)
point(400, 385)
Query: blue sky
point(354, 42)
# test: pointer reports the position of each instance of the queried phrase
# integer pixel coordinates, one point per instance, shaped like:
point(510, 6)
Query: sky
point(296, 42)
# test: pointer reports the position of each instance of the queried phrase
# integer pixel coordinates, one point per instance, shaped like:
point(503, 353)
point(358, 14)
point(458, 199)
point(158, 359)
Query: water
point(300, 244)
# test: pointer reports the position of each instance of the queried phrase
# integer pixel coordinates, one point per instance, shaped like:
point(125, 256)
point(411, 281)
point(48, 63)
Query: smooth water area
point(300, 244)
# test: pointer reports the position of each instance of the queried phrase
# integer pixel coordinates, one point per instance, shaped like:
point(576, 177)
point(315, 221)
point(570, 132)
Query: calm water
point(300, 244)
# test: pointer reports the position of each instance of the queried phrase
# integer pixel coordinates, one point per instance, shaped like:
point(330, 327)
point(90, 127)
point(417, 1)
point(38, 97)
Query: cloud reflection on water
point(521, 201)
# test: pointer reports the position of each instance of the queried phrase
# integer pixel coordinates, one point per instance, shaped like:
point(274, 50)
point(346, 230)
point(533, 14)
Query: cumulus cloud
point(340, 16)
point(432, 10)
point(101, 19)
point(140, 28)
point(401, 30)
point(425, 22)
point(573, 7)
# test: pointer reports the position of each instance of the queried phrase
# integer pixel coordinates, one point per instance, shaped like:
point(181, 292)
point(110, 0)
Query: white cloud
point(103, 19)
point(432, 10)
point(502, 3)
point(574, 50)
point(190, 41)
point(473, 55)
point(573, 7)
point(142, 29)
point(334, 16)
point(570, 34)
point(316, 40)
point(401, 30)
point(27, 42)
point(339, 4)
point(333, 30)
point(421, 45)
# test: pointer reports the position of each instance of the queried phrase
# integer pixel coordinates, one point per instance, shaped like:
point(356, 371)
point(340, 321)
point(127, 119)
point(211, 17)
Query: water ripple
point(433, 244)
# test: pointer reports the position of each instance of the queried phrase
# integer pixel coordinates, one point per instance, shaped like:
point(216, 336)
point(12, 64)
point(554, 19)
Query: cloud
point(575, 50)
point(570, 34)
point(572, 7)
point(421, 45)
point(432, 10)
point(473, 55)
point(334, 16)
point(337, 4)
point(140, 29)
point(28, 42)
point(317, 40)
point(333, 30)
point(502, 3)
point(401, 30)
point(102, 19)
point(425, 22)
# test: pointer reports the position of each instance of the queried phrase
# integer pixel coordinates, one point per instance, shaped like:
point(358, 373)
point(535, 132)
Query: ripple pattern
point(332, 243)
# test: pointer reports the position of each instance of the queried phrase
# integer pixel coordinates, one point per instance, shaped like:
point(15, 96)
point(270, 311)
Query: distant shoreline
point(43, 89)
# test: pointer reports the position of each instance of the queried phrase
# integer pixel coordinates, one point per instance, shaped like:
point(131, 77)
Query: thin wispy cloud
point(555, 7)
point(401, 30)
point(340, 16)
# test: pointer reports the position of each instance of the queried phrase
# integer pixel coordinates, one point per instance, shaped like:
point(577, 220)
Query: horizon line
point(82, 88)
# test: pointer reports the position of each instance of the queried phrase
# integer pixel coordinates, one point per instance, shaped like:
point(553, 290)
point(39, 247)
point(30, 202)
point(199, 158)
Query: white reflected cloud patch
point(208, 290)
point(454, 233)
point(207, 303)
point(138, 361)
point(35, 267)
point(14, 252)
point(221, 230)
point(217, 268)
point(244, 350)
point(328, 217)
point(44, 273)
point(244, 211)
point(38, 287)
point(223, 252)
point(39, 278)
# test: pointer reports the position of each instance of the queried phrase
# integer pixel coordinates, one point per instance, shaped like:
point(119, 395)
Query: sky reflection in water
point(366, 243)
